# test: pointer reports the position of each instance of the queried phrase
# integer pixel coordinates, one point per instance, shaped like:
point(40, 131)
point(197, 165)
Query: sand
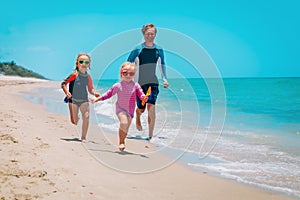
point(40, 158)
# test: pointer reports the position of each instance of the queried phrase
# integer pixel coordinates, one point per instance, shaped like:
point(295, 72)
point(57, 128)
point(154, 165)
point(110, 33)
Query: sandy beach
point(40, 158)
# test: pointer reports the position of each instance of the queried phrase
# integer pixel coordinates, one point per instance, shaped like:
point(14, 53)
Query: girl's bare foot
point(121, 147)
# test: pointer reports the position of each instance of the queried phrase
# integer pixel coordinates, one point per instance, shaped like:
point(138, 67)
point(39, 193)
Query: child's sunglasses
point(126, 73)
point(84, 61)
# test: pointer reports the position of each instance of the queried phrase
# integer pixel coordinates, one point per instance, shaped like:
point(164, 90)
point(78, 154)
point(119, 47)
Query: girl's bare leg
point(85, 113)
point(125, 122)
point(73, 108)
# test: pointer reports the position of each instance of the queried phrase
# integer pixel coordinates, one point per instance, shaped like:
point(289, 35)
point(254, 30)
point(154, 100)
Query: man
point(147, 57)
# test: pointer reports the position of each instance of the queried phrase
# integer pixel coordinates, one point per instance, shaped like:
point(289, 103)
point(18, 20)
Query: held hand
point(97, 94)
point(94, 100)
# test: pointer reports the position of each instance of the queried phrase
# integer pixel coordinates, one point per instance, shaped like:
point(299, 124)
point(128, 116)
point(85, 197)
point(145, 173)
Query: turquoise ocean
point(244, 129)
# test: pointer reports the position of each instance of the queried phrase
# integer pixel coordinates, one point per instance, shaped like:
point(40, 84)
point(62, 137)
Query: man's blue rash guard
point(146, 59)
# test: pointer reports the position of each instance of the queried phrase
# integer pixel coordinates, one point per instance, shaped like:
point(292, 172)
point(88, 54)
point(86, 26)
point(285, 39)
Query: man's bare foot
point(121, 147)
point(83, 139)
point(138, 124)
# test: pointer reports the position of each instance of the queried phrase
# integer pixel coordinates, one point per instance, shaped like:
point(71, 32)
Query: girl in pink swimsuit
point(127, 91)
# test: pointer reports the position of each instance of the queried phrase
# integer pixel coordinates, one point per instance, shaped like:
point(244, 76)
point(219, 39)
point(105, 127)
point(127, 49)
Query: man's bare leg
point(151, 119)
point(138, 123)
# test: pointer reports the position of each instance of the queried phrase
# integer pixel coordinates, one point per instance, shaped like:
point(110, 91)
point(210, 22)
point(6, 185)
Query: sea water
point(245, 129)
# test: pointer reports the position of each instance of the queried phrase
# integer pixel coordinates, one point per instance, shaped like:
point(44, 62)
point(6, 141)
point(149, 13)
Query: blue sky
point(243, 38)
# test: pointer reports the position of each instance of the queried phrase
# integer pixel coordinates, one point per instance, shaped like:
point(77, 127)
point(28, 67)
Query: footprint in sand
point(7, 137)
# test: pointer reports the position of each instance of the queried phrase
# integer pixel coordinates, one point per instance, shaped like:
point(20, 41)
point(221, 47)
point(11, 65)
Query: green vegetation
point(12, 69)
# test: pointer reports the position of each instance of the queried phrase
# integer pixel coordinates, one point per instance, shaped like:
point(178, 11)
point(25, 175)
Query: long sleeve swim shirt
point(146, 59)
point(127, 93)
point(79, 83)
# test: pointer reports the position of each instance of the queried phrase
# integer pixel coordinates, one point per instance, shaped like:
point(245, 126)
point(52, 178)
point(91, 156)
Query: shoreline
point(42, 160)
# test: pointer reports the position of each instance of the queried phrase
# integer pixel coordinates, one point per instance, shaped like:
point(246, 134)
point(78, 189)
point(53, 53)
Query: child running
point(80, 83)
point(127, 91)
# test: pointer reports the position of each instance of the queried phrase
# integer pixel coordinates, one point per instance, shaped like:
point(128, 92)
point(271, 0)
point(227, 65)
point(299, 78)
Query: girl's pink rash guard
point(127, 93)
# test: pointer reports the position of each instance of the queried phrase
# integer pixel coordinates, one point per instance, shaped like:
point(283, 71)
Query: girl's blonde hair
point(125, 64)
point(82, 54)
